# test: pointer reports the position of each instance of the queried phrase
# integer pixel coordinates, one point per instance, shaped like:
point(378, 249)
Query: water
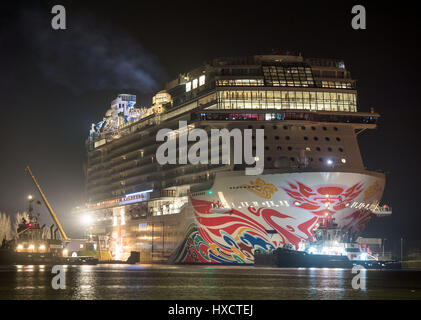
point(204, 282)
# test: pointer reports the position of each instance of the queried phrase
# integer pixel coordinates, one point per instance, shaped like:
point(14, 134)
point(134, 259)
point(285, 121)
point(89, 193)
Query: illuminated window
point(291, 76)
point(275, 99)
point(201, 80)
point(194, 83)
point(188, 86)
point(240, 82)
point(123, 219)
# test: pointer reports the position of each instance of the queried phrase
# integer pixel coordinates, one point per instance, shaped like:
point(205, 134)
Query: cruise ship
point(313, 187)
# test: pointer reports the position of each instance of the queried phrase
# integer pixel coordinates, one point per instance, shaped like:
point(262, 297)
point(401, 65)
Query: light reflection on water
point(204, 282)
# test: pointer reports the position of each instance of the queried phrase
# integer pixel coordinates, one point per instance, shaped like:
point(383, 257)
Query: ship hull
point(241, 214)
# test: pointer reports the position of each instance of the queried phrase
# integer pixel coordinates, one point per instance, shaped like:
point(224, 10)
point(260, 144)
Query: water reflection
point(204, 282)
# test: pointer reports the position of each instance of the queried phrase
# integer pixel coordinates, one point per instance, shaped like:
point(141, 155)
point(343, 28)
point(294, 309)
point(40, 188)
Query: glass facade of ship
point(287, 99)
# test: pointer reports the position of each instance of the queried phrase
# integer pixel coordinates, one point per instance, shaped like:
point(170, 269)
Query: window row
point(283, 83)
point(336, 85)
point(308, 149)
point(288, 76)
point(240, 82)
point(326, 101)
point(305, 138)
point(328, 161)
point(195, 83)
point(271, 116)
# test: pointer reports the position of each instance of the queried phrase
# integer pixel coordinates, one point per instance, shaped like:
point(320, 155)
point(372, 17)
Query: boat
point(313, 185)
point(347, 259)
point(34, 244)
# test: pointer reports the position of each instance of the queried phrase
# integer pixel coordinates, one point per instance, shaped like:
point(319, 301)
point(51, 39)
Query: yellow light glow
point(31, 247)
point(42, 247)
point(20, 247)
point(65, 252)
point(118, 252)
point(87, 219)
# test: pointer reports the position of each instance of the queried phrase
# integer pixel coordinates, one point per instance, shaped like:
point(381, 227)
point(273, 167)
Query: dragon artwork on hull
point(234, 236)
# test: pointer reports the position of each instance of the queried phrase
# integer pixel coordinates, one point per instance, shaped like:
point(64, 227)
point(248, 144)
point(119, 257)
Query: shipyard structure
point(314, 187)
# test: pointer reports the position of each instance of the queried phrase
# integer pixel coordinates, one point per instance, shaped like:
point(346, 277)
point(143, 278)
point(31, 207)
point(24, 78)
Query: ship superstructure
point(314, 185)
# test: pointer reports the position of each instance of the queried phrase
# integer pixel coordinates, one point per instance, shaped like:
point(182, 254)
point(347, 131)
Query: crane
point(53, 215)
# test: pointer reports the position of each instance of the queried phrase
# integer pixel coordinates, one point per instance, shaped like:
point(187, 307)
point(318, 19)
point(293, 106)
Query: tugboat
point(34, 244)
point(287, 257)
point(332, 249)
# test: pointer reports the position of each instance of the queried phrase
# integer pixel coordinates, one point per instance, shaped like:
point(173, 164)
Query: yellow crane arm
point(63, 234)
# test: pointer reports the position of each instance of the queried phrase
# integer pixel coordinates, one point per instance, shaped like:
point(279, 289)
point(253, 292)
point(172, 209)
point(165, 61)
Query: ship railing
point(97, 170)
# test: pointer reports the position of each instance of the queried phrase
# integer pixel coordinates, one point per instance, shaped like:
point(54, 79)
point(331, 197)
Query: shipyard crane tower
point(53, 215)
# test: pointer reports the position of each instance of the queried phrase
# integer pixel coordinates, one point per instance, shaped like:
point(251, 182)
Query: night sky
point(54, 84)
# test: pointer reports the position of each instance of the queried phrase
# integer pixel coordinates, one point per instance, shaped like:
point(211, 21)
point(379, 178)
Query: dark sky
point(53, 84)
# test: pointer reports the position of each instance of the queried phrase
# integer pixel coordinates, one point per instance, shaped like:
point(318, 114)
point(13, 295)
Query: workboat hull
point(10, 257)
point(285, 258)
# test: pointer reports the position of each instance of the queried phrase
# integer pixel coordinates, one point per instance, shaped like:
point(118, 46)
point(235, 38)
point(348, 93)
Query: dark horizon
point(56, 83)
